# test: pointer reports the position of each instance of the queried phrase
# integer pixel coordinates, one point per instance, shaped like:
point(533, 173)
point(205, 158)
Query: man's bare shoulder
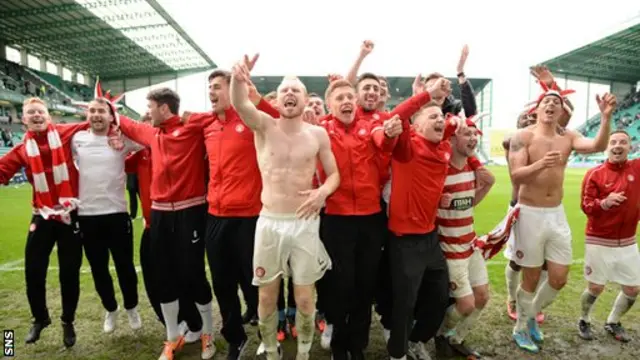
point(316, 130)
point(520, 139)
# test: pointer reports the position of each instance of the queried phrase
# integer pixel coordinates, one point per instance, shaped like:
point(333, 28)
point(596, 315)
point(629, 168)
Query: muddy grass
point(492, 335)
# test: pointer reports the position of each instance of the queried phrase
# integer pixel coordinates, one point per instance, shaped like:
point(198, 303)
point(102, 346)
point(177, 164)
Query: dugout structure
point(129, 44)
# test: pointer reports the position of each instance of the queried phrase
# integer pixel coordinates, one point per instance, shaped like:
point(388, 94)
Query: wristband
point(461, 74)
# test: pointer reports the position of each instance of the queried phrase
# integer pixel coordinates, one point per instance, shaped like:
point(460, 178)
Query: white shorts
point(465, 274)
point(620, 265)
point(508, 249)
point(542, 234)
point(288, 246)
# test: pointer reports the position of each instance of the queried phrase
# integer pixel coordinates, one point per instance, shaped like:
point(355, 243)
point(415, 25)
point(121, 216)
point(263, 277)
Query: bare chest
point(541, 145)
point(297, 150)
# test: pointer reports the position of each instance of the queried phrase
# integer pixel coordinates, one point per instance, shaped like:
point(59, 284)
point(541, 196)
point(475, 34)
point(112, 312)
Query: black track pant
point(291, 299)
point(111, 234)
point(188, 310)
point(42, 236)
point(230, 243)
point(177, 249)
point(355, 246)
point(420, 283)
point(383, 293)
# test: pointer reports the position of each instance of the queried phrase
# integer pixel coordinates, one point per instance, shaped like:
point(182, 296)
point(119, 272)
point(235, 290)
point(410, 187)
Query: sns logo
point(9, 343)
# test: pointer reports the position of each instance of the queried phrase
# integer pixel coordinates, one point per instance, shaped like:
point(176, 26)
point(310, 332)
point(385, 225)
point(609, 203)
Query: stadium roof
point(115, 39)
point(613, 58)
point(399, 87)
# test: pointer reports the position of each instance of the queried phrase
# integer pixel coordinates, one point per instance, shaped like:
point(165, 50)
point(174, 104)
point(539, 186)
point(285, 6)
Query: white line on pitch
point(10, 264)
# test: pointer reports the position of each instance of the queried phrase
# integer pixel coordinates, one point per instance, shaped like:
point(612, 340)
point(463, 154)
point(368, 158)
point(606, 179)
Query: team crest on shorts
point(453, 286)
point(32, 227)
point(519, 254)
point(588, 270)
point(631, 178)
point(239, 128)
point(260, 271)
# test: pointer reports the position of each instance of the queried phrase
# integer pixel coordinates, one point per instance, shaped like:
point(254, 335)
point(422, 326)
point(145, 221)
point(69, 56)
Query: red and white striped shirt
point(455, 222)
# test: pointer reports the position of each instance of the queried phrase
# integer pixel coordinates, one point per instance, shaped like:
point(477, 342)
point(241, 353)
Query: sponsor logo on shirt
point(462, 204)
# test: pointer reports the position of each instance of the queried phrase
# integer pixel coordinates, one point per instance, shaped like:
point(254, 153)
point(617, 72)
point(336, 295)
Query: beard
point(291, 113)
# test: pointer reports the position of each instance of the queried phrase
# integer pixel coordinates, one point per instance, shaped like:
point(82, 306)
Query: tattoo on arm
point(516, 144)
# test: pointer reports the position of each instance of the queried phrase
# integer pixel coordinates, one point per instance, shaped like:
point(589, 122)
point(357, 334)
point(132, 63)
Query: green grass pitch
point(491, 335)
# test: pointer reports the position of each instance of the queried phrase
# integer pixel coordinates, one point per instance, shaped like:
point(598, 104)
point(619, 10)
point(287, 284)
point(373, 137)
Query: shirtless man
point(537, 159)
point(525, 119)
point(287, 233)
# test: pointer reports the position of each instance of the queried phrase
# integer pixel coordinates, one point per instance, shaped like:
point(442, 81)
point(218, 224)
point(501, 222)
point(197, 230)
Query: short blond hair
point(34, 100)
point(340, 83)
point(293, 79)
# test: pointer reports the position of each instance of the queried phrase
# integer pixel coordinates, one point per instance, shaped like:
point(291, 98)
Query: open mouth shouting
point(346, 109)
point(439, 128)
point(617, 151)
point(371, 99)
point(290, 102)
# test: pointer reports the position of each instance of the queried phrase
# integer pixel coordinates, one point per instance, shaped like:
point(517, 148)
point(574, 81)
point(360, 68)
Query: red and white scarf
point(491, 244)
point(46, 206)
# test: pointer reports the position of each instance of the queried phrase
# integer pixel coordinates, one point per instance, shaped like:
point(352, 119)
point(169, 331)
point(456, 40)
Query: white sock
point(451, 319)
point(587, 299)
point(620, 307)
point(268, 329)
point(206, 313)
point(524, 307)
point(465, 326)
point(170, 312)
point(513, 279)
point(545, 295)
point(306, 329)
point(544, 276)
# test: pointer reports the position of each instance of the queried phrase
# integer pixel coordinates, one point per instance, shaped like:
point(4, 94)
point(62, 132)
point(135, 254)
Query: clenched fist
point(392, 127)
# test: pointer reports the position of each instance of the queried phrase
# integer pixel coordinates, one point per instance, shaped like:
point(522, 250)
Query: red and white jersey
point(455, 222)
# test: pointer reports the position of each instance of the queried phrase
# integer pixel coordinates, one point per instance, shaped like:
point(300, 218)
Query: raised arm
point(467, 95)
point(583, 145)
point(255, 119)
point(139, 132)
point(407, 108)
point(365, 49)
point(520, 169)
point(385, 135)
point(10, 164)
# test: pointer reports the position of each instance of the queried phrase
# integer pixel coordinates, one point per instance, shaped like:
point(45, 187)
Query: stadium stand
point(128, 44)
point(612, 60)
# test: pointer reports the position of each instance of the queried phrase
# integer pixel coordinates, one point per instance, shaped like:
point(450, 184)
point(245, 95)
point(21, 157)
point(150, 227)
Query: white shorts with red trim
point(288, 246)
point(465, 274)
point(542, 234)
point(620, 265)
point(508, 250)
